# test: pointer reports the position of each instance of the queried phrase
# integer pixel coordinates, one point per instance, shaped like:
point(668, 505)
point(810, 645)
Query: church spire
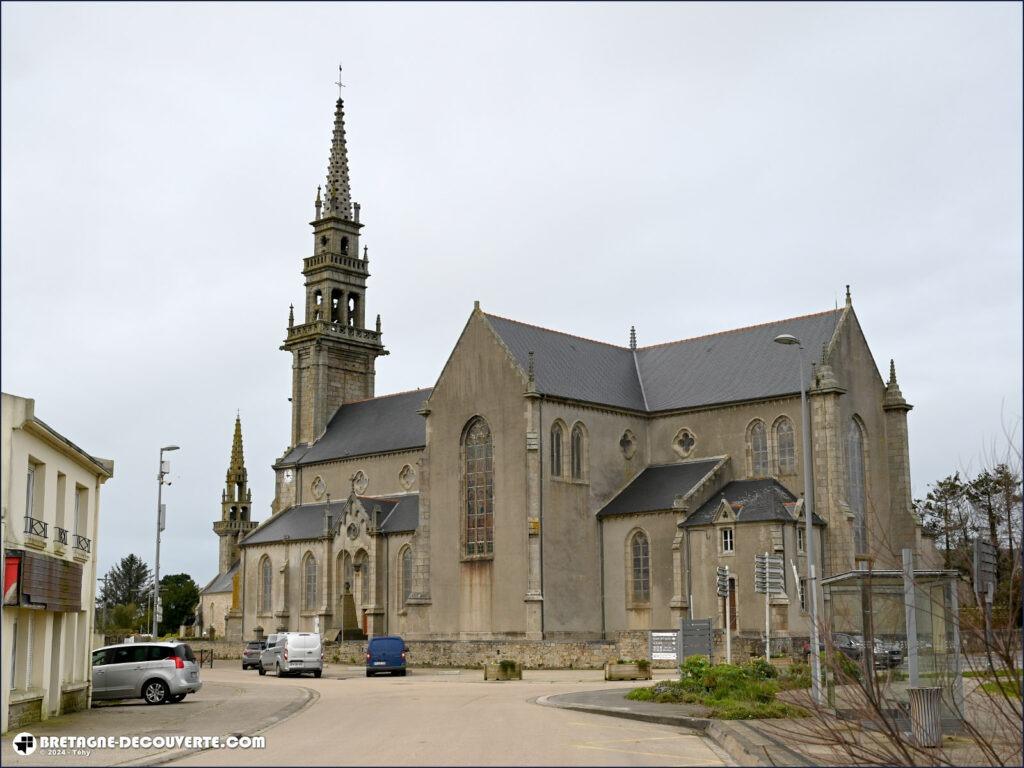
point(339, 196)
point(237, 457)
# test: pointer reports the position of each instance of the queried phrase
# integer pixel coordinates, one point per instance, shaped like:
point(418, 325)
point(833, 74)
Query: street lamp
point(805, 423)
point(159, 527)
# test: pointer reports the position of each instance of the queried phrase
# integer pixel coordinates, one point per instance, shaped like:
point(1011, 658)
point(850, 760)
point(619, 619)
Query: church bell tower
point(333, 352)
point(235, 505)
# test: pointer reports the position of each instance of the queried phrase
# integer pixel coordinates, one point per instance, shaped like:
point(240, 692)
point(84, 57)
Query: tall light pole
point(159, 527)
point(805, 423)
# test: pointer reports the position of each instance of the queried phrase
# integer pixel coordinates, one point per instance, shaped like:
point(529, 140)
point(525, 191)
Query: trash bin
point(925, 722)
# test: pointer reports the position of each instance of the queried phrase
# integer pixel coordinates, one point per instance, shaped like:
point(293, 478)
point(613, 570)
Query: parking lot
point(432, 716)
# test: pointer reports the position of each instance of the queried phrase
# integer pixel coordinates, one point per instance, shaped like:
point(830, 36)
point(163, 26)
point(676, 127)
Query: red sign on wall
point(12, 568)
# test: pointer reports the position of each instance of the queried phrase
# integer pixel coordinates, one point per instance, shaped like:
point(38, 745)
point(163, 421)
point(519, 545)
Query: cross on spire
point(339, 83)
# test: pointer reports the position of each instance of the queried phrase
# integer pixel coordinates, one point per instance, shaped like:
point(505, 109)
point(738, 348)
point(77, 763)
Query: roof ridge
point(560, 333)
point(384, 397)
point(743, 328)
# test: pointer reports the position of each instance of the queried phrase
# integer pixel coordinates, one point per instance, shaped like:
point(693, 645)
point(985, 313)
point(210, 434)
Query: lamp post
point(805, 423)
point(159, 527)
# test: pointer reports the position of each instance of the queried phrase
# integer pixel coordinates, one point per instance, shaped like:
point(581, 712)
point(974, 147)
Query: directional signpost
point(722, 584)
point(768, 579)
point(985, 579)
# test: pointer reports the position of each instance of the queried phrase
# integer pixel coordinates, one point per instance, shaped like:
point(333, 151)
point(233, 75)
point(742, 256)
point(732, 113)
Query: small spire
point(339, 196)
point(237, 456)
point(318, 204)
point(893, 399)
point(892, 372)
point(476, 305)
point(291, 315)
point(824, 352)
point(366, 253)
point(849, 301)
point(378, 323)
point(529, 365)
point(632, 337)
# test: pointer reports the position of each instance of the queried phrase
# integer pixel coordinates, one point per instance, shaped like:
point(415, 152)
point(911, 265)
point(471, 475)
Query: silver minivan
point(293, 653)
point(155, 672)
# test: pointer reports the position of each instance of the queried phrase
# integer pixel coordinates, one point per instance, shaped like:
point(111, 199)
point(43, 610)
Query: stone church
point(549, 486)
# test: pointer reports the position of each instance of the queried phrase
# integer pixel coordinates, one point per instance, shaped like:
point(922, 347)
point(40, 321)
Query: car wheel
point(155, 692)
point(261, 669)
point(369, 673)
point(277, 670)
point(317, 673)
point(176, 698)
point(401, 672)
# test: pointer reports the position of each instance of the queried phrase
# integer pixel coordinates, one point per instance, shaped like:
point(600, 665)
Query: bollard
point(925, 713)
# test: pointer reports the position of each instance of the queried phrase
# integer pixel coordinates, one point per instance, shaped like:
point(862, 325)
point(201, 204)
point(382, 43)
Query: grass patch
point(730, 692)
point(988, 674)
point(1000, 687)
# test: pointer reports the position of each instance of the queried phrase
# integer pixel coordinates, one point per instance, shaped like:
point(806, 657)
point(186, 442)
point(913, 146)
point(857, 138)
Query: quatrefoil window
point(627, 443)
point(684, 442)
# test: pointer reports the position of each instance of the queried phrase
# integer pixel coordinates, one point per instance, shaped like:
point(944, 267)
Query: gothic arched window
point(309, 582)
point(557, 438)
point(856, 496)
point(577, 451)
point(405, 588)
point(478, 484)
point(757, 445)
point(640, 568)
point(363, 561)
point(266, 584)
point(785, 446)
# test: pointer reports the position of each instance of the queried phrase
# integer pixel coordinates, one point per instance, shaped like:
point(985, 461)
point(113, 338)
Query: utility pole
point(160, 522)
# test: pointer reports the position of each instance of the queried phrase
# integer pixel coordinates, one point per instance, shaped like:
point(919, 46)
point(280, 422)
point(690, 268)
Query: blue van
point(386, 654)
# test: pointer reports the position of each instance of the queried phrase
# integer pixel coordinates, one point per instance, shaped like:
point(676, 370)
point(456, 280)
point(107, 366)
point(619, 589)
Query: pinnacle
point(338, 200)
point(237, 457)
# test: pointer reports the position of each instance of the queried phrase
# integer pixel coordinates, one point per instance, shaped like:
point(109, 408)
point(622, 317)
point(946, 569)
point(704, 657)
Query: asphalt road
point(451, 717)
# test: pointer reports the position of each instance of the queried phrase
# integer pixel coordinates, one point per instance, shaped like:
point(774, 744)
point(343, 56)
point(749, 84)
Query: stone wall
point(22, 713)
point(545, 654)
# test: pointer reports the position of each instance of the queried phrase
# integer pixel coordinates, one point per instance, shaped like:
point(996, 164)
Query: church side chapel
point(549, 486)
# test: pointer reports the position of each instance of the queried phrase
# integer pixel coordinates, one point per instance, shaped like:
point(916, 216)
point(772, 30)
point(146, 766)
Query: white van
point(293, 653)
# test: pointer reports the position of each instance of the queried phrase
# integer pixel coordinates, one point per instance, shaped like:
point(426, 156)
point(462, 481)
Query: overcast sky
point(683, 168)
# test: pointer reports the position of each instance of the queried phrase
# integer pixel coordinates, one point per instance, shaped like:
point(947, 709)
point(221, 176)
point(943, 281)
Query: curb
point(731, 738)
point(286, 713)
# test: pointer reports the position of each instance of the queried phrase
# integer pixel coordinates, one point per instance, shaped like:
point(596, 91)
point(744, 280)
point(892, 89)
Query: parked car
point(155, 672)
point(251, 653)
point(293, 653)
point(386, 654)
point(887, 654)
point(848, 645)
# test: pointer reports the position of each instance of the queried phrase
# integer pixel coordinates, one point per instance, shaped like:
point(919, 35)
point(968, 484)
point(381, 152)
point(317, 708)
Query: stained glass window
point(406, 590)
point(785, 446)
point(309, 583)
point(855, 483)
point(479, 484)
point(641, 557)
point(576, 449)
point(758, 450)
point(556, 450)
point(266, 584)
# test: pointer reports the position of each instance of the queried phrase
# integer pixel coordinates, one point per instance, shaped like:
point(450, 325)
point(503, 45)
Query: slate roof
point(657, 487)
point(379, 425)
point(399, 514)
point(730, 366)
point(754, 500)
point(222, 582)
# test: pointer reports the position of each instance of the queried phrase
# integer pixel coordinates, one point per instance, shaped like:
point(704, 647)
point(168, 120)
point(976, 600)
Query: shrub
point(762, 670)
point(643, 664)
point(507, 666)
point(693, 669)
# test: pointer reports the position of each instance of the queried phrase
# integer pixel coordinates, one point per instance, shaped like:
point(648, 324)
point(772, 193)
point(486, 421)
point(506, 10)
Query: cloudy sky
point(683, 168)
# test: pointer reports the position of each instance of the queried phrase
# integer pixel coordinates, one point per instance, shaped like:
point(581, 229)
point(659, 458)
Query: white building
point(50, 519)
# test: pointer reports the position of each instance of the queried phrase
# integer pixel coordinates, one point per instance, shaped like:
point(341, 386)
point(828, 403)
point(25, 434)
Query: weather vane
point(339, 83)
